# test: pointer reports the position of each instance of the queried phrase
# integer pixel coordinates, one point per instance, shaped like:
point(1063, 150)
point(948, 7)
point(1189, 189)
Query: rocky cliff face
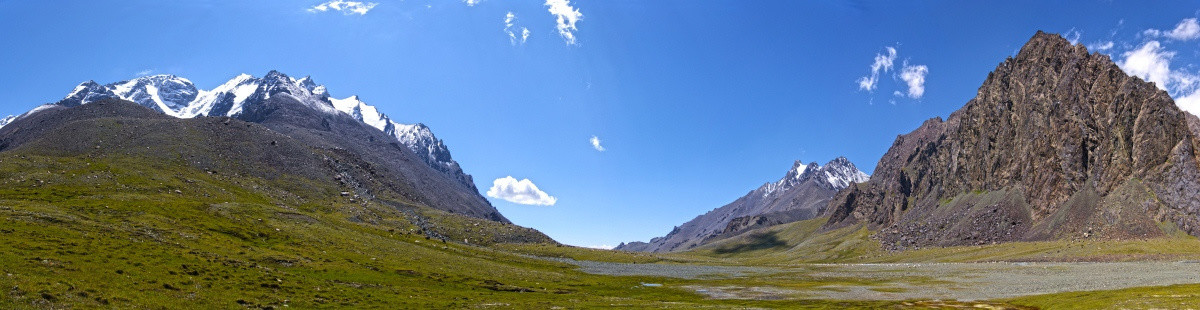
point(1058, 143)
point(801, 194)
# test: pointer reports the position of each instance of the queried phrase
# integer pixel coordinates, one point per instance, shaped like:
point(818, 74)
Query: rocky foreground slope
point(1058, 143)
point(801, 194)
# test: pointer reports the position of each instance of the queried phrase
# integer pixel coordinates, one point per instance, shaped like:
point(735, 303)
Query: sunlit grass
point(83, 232)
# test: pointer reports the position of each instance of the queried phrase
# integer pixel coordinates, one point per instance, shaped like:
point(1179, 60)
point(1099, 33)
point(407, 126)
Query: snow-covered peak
point(86, 92)
point(794, 176)
point(837, 173)
point(841, 172)
point(224, 100)
point(307, 83)
point(165, 93)
point(6, 120)
point(413, 132)
point(361, 111)
point(276, 83)
point(421, 140)
point(83, 88)
point(798, 169)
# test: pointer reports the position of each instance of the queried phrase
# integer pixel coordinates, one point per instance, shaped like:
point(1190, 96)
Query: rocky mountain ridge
point(1058, 143)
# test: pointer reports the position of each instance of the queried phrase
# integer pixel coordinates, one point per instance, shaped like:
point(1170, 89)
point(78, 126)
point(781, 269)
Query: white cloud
point(1190, 102)
point(472, 2)
point(346, 7)
point(1150, 62)
point(510, 22)
point(596, 143)
point(914, 76)
point(1101, 46)
point(1187, 29)
point(144, 72)
point(1072, 36)
point(882, 62)
point(520, 192)
point(566, 16)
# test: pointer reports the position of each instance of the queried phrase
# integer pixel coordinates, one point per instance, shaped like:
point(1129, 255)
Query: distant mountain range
point(407, 160)
point(801, 194)
point(178, 97)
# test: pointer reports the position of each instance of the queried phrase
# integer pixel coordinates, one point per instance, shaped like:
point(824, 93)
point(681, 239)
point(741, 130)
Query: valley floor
point(121, 232)
point(910, 281)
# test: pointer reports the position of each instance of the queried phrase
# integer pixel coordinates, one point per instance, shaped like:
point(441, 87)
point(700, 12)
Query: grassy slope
point(116, 231)
point(801, 242)
point(123, 231)
point(1163, 297)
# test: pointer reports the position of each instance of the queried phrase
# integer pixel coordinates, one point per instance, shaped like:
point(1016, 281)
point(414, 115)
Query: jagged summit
point(801, 194)
point(836, 174)
point(179, 97)
point(1058, 143)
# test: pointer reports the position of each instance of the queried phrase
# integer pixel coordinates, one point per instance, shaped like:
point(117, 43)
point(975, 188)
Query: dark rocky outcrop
point(1058, 143)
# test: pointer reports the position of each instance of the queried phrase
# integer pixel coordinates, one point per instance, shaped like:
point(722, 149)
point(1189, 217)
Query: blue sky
point(694, 102)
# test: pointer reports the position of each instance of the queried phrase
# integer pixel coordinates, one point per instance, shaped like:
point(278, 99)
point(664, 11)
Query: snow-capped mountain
point(179, 97)
point(801, 194)
point(7, 119)
point(837, 174)
point(418, 137)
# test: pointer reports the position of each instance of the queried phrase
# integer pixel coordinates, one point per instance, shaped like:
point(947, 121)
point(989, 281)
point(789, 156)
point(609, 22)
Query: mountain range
point(176, 96)
point(801, 194)
point(402, 158)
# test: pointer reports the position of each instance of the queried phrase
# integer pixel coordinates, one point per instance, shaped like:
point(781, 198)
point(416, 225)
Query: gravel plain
point(942, 281)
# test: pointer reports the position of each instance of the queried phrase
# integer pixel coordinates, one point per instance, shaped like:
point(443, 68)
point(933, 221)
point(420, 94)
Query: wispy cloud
point(883, 62)
point(1152, 62)
point(510, 20)
point(566, 16)
point(472, 2)
point(520, 192)
point(1187, 29)
point(1101, 46)
point(596, 143)
point(914, 76)
point(346, 7)
point(1073, 36)
point(144, 72)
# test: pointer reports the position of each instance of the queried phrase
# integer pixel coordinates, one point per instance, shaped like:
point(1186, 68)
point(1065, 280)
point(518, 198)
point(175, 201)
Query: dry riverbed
point(945, 281)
